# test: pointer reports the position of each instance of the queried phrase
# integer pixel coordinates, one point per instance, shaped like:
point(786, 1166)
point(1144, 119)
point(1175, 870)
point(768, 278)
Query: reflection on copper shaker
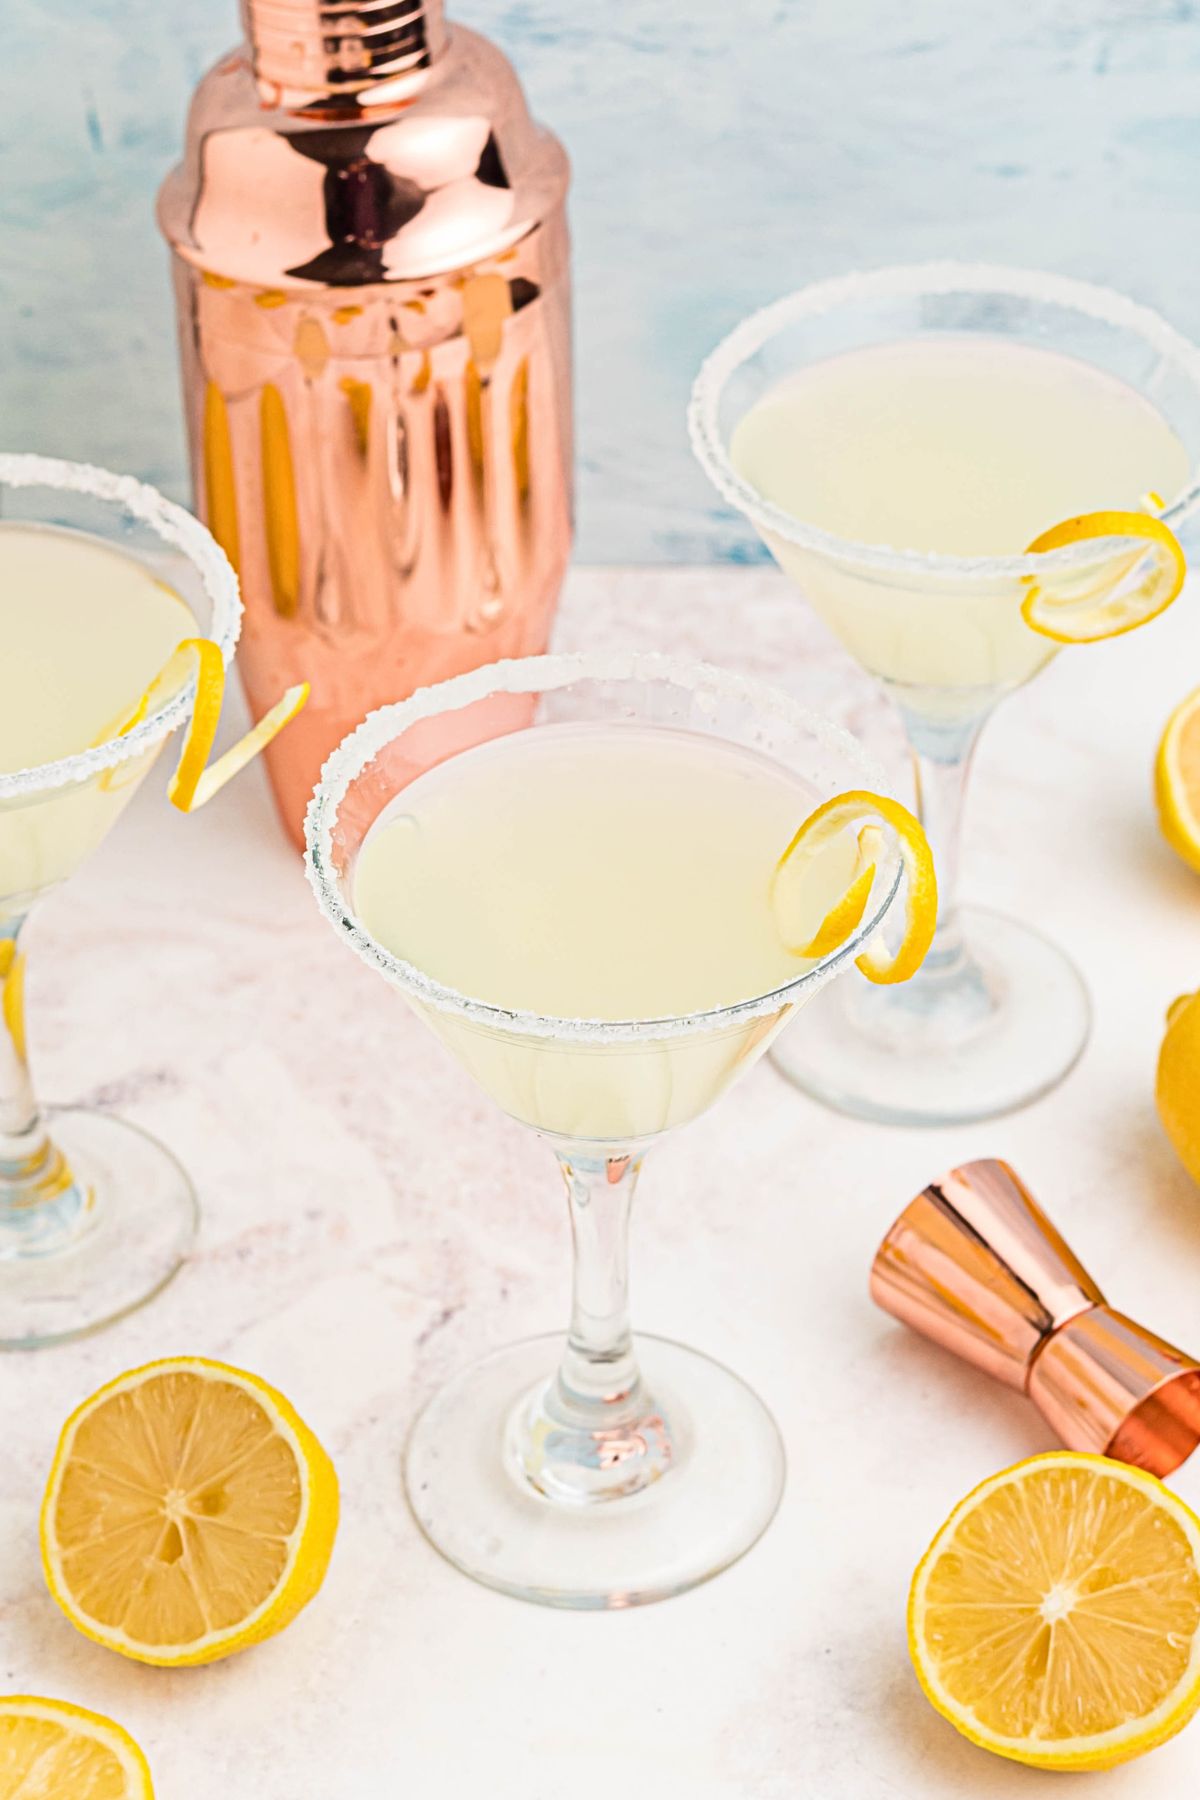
point(371, 272)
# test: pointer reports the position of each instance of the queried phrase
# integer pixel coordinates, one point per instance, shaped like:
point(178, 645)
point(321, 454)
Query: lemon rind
point(862, 806)
point(1148, 530)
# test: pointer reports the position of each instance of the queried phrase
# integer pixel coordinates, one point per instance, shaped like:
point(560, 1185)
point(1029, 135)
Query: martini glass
point(95, 1215)
point(997, 1014)
point(599, 1471)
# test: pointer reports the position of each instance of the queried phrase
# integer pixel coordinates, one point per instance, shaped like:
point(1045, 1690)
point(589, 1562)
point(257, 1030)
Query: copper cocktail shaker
point(371, 272)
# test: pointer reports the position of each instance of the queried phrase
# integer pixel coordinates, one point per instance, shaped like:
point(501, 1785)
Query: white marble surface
point(370, 1222)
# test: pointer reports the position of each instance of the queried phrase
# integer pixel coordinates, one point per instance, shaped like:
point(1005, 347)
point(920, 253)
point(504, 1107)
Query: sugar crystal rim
point(175, 526)
point(912, 281)
point(543, 674)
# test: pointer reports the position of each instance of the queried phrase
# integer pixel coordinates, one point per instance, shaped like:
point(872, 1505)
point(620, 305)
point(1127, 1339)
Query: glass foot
point(472, 1495)
point(109, 1239)
point(980, 1039)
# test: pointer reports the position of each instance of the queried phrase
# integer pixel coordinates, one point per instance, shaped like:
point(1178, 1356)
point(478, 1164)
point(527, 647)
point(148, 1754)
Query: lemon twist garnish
point(872, 813)
point(12, 993)
point(1134, 588)
point(195, 781)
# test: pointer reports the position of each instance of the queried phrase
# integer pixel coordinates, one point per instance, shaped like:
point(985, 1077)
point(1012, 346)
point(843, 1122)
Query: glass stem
point(592, 1433)
point(942, 755)
point(598, 1364)
point(38, 1204)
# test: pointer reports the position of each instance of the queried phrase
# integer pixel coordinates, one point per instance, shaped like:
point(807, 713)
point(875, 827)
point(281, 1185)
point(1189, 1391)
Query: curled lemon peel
point(12, 993)
point(195, 780)
point(1107, 607)
point(876, 814)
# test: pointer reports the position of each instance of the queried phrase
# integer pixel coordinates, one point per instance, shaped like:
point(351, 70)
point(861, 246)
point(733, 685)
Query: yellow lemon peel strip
point(214, 778)
point(871, 811)
point(846, 916)
point(1107, 607)
point(12, 993)
point(195, 781)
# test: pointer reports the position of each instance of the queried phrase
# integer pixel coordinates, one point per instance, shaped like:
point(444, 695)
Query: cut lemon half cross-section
point(190, 1513)
point(1055, 1618)
point(50, 1750)
point(822, 884)
point(1139, 580)
point(1177, 780)
point(195, 780)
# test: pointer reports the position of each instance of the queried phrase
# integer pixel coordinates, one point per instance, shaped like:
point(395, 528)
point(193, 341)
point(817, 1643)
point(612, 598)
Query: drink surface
point(962, 446)
point(594, 871)
point(85, 629)
point(958, 445)
point(589, 871)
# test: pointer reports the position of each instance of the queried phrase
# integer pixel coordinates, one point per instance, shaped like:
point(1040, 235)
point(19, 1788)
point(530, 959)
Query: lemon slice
point(813, 852)
point(195, 781)
point(50, 1750)
point(1055, 1618)
point(190, 1513)
point(1177, 780)
point(1137, 583)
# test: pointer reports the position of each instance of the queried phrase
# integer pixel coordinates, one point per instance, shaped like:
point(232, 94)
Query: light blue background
point(724, 151)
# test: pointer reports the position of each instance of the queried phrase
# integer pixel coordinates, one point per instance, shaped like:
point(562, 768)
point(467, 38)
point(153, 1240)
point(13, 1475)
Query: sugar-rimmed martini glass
point(639, 1468)
point(1087, 387)
point(95, 1215)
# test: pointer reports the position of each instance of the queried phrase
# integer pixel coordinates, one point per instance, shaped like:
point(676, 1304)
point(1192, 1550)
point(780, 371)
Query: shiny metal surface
point(974, 1264)
point(374, 313)
point(1106, 1384)
point(302, 51)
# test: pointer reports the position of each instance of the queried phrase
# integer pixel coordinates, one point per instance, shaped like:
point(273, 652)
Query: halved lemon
point(1144, 573)
point(1177, 780)
point(828, 857)
point(1177, 1081)
point(190, 1512)
point(51, 1750)
point(1055, 1618)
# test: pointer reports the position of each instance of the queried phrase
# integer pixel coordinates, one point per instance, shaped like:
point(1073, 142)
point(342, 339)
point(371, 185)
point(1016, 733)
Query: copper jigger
point(974, 1263)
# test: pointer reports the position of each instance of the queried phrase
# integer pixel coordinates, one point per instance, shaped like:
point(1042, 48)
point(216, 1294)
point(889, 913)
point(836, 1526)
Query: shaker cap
point(291, 199)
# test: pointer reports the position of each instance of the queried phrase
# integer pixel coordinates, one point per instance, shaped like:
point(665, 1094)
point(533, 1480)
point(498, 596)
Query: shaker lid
point(454, 173)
